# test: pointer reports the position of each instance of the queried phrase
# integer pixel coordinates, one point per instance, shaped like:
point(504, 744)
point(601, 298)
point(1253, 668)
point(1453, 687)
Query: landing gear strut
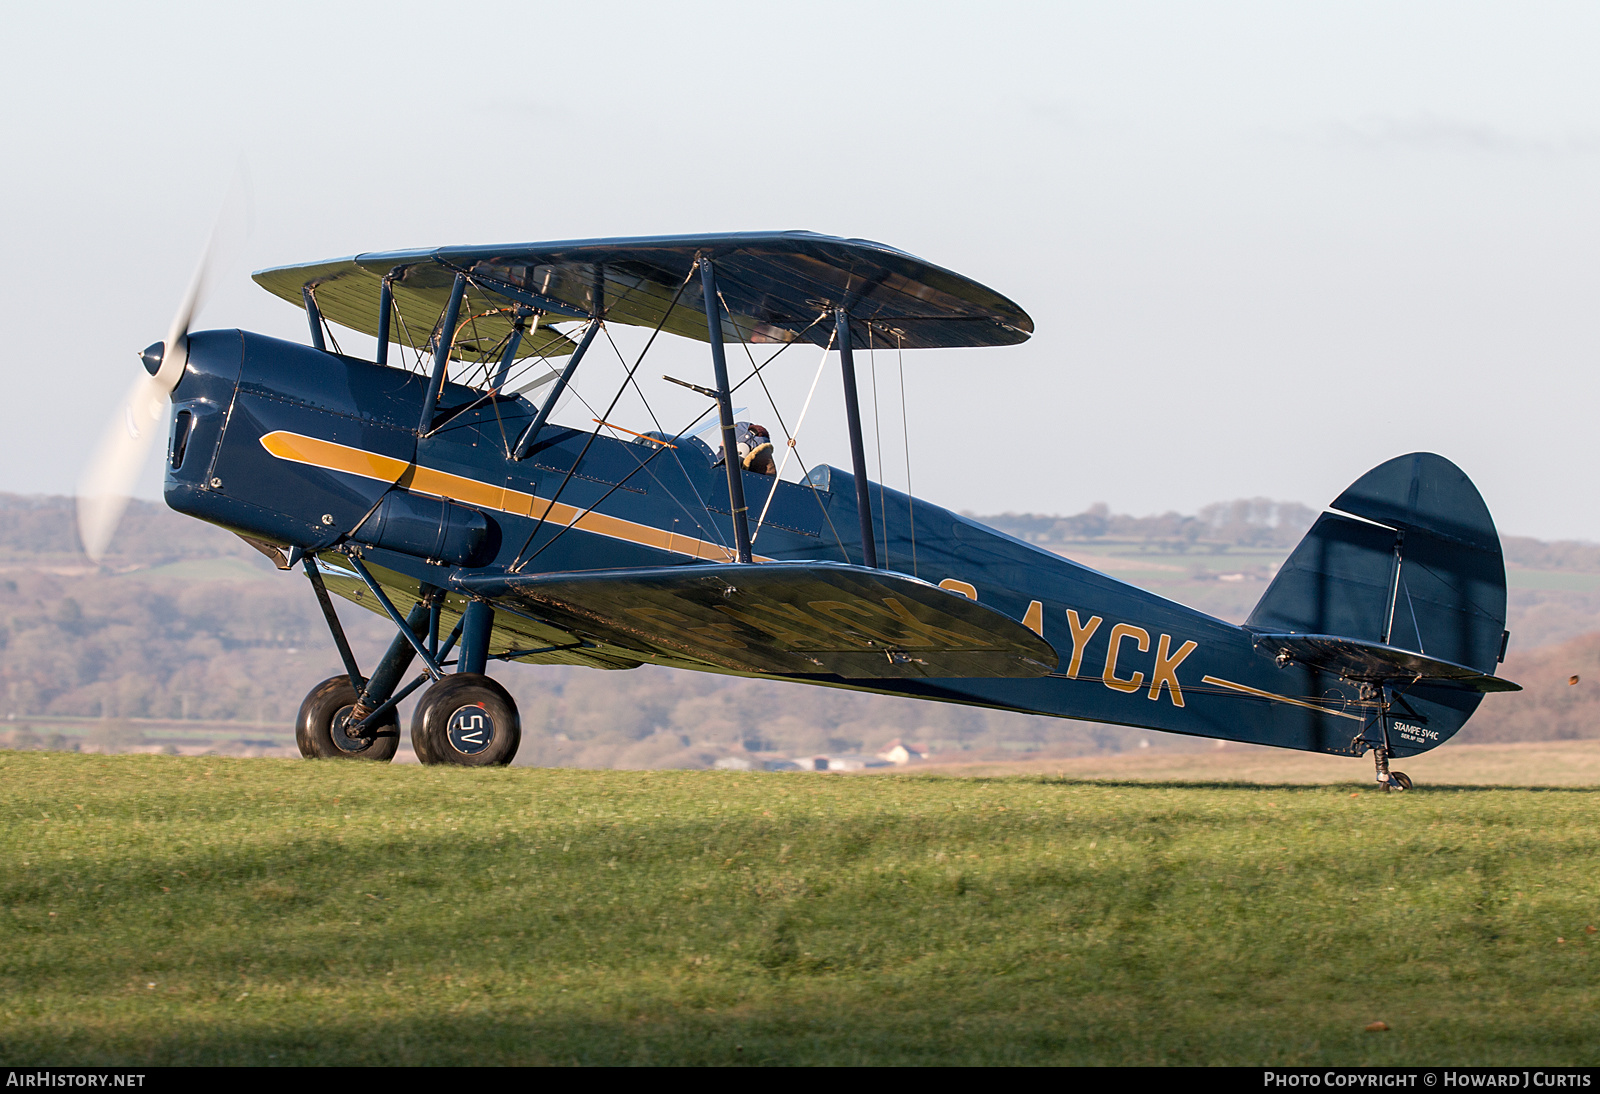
point(1389, 780)
point(465, 719)
point(468, 719)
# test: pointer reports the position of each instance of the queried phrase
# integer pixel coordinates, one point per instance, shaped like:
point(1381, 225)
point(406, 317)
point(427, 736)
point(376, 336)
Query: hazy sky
point(1265, 246)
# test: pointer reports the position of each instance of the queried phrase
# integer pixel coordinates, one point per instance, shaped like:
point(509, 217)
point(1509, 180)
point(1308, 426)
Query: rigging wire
point(476, 341)
point(905, 435)
point(516, 562)
point(322, 320)
point(756, 370)
point(715, 531)
point(615, 487)
point(759, 368)
point(492, 357)
point(538, 356)
point(405, 329)
point(877, 436)
point(793, 445)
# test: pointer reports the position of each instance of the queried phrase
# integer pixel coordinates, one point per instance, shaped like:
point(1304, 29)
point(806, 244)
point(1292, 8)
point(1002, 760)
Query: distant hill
point(1258, 523)
point(42, 529)
point(1551, 706)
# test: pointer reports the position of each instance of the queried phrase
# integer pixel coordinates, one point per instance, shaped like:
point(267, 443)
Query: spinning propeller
point(141, 417)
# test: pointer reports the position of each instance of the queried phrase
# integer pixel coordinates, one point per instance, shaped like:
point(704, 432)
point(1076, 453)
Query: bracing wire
point(905, 435)
point(322, 321)
point(762, 366)
point(405, 329)
point(573, 523)
point(716, 532)
point(756, 369)
point(793, 439)
point(517, 561)
point(757, 375)
point(877, 436)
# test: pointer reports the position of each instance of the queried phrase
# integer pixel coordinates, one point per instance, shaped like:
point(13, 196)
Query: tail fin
point(1421, 570)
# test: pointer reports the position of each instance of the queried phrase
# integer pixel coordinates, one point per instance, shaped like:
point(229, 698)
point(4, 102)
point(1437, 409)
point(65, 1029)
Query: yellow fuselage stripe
point(315, 452)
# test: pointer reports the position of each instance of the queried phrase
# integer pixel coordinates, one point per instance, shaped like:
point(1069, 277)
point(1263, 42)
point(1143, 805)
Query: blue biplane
point(440, 492)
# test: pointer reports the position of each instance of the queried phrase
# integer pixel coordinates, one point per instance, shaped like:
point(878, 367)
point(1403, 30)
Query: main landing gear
point(465, 719)
point(468, 720)
point(322, 729)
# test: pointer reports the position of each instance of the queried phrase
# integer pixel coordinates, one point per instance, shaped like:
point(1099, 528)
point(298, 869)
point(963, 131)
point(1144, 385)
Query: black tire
point(318, 729)
point(467, 720)
point(1400, 779)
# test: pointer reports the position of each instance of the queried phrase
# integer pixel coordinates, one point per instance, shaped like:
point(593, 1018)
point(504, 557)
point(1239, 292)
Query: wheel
point(319, 730)
point(1400, 780)
point(466, 719)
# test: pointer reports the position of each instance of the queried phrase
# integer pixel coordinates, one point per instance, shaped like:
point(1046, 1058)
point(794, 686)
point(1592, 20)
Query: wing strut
point(314, 317)
point(730, 448)
point(509, 358)
point(531, 434)
point(357, 681)
point(858, 455)
point(441, 356)
point(385, 311)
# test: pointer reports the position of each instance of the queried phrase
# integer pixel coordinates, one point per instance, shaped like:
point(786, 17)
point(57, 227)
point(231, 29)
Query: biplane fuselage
point(298, 448)
point(442, 498)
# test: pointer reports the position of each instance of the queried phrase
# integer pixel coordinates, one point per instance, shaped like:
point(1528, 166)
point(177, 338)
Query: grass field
point(203, 910)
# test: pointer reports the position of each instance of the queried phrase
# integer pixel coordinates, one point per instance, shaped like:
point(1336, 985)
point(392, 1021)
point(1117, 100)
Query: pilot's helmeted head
point(755, 448)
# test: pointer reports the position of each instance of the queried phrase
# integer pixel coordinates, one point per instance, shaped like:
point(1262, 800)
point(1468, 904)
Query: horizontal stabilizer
point(784, 618)
point(1373, 662)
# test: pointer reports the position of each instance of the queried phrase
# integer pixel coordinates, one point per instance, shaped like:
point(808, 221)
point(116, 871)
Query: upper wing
point(348, 292)
point(776, 286)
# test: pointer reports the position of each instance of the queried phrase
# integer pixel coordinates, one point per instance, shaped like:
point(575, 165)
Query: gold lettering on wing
point(660, 617)
point(676, 625)
point(799, 618)
point(1118, 633)
point(843, 613)
point(955, 640)
point(769, 625)
point(662, 624)
point(1081, 633)
point(720, 634)
point(1166, 670)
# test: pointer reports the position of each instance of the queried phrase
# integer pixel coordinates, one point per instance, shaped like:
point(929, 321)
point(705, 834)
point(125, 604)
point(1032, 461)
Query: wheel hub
point(471, 729)
point(343, 740)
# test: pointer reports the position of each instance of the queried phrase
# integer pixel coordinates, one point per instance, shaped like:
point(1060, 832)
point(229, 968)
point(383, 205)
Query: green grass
point(157, 910)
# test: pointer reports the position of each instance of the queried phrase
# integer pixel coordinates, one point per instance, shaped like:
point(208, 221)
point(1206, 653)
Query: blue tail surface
point(1409, 562)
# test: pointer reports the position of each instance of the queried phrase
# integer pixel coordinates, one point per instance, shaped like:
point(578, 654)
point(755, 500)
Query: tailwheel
point(1399, 780)
point(468, 720)
point(325, 715)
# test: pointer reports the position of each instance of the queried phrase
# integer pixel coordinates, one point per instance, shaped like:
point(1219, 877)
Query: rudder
point(1421, 569)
